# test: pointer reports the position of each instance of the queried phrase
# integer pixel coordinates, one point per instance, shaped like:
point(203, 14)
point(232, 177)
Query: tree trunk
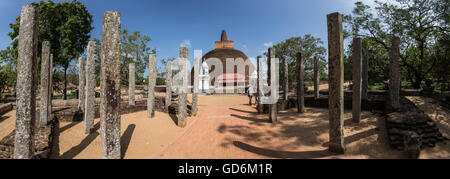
point(65, 83)
point(417, 81)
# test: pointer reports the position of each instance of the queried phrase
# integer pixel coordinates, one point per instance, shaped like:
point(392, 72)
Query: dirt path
point(231, 132)
point(237, 131)
point(228, 128)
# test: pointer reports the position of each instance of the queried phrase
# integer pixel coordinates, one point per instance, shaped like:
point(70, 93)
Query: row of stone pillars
point(110, 84)
point(360, 83)
point(335, 81)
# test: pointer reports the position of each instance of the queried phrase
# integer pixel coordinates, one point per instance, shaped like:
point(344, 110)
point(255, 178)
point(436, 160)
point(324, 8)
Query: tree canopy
point(66, 25)
point(310, 47)
point(421, 26)
point(134, 49)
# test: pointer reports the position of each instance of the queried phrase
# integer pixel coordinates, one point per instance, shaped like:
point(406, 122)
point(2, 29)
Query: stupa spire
point(224, 42)
point(224, 36)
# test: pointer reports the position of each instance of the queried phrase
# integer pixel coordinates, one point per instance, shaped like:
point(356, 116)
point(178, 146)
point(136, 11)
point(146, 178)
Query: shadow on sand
point(125, 139)
point(74, 151)
point(283, 154)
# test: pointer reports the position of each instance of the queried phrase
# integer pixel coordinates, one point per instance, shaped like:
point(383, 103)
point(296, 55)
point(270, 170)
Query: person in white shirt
point(251, 92)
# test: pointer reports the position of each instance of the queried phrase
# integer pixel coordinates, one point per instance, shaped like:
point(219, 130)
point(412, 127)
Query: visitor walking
point(251, 93)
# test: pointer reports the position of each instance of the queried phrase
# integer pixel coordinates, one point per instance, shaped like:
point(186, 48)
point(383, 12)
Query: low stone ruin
point(174, 106)
point(404, 129)
point(4, 108)
point(43, 141)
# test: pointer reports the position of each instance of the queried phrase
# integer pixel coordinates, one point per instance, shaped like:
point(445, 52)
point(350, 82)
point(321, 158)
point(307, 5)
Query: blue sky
point(252, 24)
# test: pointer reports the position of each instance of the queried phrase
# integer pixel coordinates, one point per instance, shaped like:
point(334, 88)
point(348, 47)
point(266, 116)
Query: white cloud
point(268, 44)
point(186, 43)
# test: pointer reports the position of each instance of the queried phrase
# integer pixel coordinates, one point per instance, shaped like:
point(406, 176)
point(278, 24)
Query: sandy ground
point(324, 86)
point(321, 87)
point(144, 138)
point(367, 139)
point(140, 137)
point(7, 123)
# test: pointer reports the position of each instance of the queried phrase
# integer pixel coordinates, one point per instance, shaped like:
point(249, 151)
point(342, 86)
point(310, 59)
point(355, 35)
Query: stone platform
point(44, 141)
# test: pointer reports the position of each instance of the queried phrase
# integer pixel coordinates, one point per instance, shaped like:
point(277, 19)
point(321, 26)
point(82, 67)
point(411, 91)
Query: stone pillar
point(272, 70)
point(356, 95)
point(168, 85)
point(151, 85)
point(81, 86)
point(286, 79)
point(182, 88)
point(365, 75)
point(316, 77)
point(50, 87)
point(131, 83)
point(394, 78)
point(110, 86)
point(260, 85)
point(335, 81)
point(196, 83)
point(45, 79)
point(89, 113)
point(300, 85)
point(26, 82)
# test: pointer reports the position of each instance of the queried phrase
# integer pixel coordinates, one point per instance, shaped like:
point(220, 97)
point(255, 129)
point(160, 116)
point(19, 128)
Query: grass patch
point(69, 96)
point(376, 86)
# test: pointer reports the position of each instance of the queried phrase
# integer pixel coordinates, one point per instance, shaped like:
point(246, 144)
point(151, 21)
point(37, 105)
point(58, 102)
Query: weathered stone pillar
point(26, 82)
point(196, 83)
point(365, 75)
point(89, 113)
point(260, 85)
point(182, 88)
point(45, 79)
point(81, 86)
point(50, 87)
point(300, 85)
point(335, 81)
point(168, 85)
point(394, 78)
point(131, 83)
point(110, 86)
point(316, 77)
point(151, 85)
point(286, 79)
point(273, 111)
point(356, 95)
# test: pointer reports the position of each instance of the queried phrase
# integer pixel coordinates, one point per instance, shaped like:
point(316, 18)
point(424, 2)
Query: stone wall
point(4, 108)
point(405, 92)
point(43, 141)
point(411, 130)
point(69, 114)
point(374, 102)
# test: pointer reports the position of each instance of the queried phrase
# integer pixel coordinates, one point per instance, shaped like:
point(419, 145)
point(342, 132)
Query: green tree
point(416, 22)
point(66, 25)
point(7, 69)
point(310, 47)
point(378, 61)
point(135, 48)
